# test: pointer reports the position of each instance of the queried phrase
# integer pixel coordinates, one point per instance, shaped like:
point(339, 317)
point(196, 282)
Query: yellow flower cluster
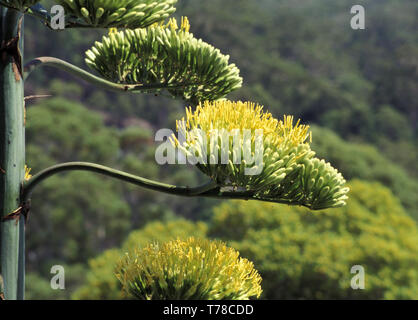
point(172, 24)
point(274, 164)
point(231, 115)
point(187, 270)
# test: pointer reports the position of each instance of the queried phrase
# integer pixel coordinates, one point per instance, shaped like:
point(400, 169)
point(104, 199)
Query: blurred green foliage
point(76, 215)
point(88, 220)
point(366, 162)
point(300, 254)
point(303, 60)
point(305, 255)
point(39, 287)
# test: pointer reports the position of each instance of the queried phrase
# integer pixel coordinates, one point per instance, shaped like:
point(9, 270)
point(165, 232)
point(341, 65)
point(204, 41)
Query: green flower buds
point(194, 269)
point(119, 13)
point(165, 56)
point(20, 5)
point(314, 184)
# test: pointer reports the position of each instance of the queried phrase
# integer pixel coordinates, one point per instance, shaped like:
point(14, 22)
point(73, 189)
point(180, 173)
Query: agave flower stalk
point(287, 170)
point(12, 151)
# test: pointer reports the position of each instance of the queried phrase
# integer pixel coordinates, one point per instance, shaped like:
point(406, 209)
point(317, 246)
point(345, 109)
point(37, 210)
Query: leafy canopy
point(308, 255)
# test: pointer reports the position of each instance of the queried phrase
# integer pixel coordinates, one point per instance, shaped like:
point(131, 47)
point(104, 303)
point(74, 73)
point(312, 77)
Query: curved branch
point(29, 186)
point(91, 78)
point(209, 190)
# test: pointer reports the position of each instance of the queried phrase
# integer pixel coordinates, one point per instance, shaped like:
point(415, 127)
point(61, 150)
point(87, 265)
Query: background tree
point(300, 254)
point(309, 256)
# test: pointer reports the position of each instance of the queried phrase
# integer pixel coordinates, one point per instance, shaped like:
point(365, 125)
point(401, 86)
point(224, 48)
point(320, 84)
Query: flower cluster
point(165, 55)
point(119, 13)
point(276, 164)
point(187, 270)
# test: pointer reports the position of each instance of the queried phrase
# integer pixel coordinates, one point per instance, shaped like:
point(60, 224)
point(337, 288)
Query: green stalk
point(12, 154)
point(95, 80)
point(116, 174)
point(209, 189)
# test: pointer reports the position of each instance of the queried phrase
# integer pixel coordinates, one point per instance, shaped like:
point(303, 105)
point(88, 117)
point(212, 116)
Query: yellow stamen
point(173, 26)
point(27, 173)
point(185, 25)
point(230, 115)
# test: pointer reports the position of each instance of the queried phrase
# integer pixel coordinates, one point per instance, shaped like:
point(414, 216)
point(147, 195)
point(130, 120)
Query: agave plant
point(188, 270)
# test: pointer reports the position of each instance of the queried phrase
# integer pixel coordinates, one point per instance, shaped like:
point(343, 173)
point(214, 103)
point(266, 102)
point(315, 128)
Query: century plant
point(150, 53)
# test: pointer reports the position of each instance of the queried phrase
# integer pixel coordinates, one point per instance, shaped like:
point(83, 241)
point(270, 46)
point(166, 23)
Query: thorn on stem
point(37, 96)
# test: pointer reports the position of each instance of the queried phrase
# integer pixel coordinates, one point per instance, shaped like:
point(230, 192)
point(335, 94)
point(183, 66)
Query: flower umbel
point(167, 56)
point(283, 165)
point(188, 270)
point(172, 24)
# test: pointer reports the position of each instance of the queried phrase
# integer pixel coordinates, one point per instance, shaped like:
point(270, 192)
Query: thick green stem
point(12, 152)
point(97, 81)
point(92, 167)
point(210, 189)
